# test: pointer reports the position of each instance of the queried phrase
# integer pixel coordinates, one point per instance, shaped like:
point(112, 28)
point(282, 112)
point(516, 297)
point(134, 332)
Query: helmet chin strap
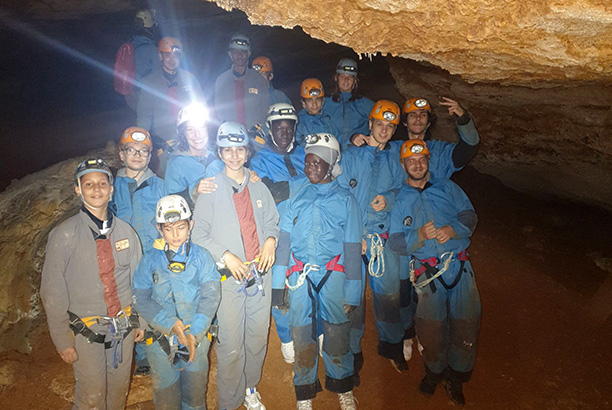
point(87, 204)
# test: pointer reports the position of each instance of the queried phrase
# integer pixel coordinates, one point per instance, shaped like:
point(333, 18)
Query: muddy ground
point(543, 267)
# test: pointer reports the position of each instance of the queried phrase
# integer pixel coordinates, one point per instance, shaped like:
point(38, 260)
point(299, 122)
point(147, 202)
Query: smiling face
point(234, 158)
point(133, 156)
point(197, 137)
point(95, 189)
point(346, 82)
point(316, 169)
point(313, 106)
point(417, 123)
point(381, 131)
point(416, 166)
point(176, 233)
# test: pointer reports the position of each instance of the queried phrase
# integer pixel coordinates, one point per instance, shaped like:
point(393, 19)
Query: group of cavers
point(283, 214)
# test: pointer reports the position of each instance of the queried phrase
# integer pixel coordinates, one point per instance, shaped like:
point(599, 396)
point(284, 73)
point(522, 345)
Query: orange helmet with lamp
point(413, 147)
point(415, 104)
point(386, 110)
point(312, 88)
point(262, 64)
point(135, 134)
point(170, 45)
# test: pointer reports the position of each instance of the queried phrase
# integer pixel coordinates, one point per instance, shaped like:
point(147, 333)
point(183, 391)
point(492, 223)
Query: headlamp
point(240, 42)
point(348, 68)
point(417, 149)
point(315, 92)
point(232, 137)
point(311, 138)
point(138, 136)
point(388, 116)
point(172, 216)
point(257, 67)
point(420, 103)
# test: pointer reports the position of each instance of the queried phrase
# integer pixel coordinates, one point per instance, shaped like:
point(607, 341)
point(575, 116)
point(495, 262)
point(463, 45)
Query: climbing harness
point(304, 271)
point(178, 353)
point(118, 327)
point(376, 264)
point(428, 266)
point(255, 278)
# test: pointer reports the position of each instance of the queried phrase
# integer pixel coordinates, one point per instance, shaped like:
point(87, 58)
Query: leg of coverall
point(386, 295)
point(357, 319)
point(165, 379)
point(257, 328)
point(194, 379)
point(282, 325)
point(89, 374)
point(231, 380)
point(408, 300)
point(431, 323)
point(118, 380)
point(337, 354)
point(465, 312)
point(305, 378)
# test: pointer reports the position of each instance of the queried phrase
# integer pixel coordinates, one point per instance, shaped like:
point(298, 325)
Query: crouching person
point(320, 245)
point(177, 291)
point(86, 290)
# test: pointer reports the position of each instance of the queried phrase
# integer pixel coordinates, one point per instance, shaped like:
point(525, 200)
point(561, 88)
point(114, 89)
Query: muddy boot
point(454, 391)
point(428, 385)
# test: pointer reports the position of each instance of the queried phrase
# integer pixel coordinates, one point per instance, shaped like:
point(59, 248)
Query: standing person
point(86, 290)
point(433, 220)
point(319, 254)
point(192, 165)
point(373, 174)
point(263, 65)
point(164, 92)
point(345, 106)
point(446, 157)
point(280, 165)
point(241, 94)
point(238, 224)
point(177, 291)
point(144, 41)
point(311, 119)
point(136, 192)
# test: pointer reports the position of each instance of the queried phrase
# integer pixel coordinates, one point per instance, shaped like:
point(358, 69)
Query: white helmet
point(172, 208)
point(196, 113)
point(347, 66)
point(326, 147)
point(240, 42)
point(281, 111)
point(232, 134)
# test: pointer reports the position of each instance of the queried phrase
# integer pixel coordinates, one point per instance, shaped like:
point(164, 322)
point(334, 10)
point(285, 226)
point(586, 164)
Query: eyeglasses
point(388, 116)
point(141, 152)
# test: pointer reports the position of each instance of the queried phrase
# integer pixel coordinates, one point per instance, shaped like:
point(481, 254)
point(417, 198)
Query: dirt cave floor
point(543, 270)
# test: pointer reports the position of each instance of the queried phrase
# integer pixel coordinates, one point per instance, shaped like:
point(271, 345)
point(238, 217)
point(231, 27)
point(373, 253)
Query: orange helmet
point(312, 88)
point(415, 104)
point(413, 147)
point(386, 110)
point(263, 65)
point(170, 45)
point(135, 134)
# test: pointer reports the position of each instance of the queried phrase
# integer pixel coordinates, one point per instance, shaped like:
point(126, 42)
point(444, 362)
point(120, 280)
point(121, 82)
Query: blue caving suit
point(368, 172)
point(446, 159)
point(135, 202)
point(162, 297)
point(350, 117)
point(447, 318)
point(184, 171)
point(277, 96)
point(274, 169)
point(321, 226)
point(313, 124)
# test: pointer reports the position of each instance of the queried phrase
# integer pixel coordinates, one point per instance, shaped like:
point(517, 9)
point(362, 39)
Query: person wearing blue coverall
point(433, 220)
point(319, 254)
point(263, 65)
point(311, 119)
point(280, 165)
point(373, 174)
point(136, 192)
point(192, 166)
point(345, 106)
point(177, 291)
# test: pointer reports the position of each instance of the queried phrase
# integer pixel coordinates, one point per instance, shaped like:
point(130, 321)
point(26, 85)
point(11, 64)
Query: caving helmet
point(312, 88)
point(232, 134)
point(413, 147)
point(347, 66)
point(386, 110)
point(172, 208)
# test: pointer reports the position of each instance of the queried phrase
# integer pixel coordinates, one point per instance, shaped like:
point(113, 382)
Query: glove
point(349, 308)
point(280, 299)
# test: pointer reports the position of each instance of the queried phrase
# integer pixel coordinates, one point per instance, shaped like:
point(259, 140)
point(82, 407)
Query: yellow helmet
point(170, 45)
point(135, 134)
point(415, 104)
point(263, 65)
point(312, 88)
point(413, 147)
point(386, 110)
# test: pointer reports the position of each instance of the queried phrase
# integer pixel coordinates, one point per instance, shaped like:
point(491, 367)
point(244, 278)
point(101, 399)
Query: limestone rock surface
point(509, 42)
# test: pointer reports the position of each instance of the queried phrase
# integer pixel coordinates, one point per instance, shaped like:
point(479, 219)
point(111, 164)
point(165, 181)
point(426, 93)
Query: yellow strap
point(90, 320)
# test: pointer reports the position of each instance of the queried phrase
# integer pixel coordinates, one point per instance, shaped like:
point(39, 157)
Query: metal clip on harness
point(445, 265)
point(377, 260)
point(302, 277)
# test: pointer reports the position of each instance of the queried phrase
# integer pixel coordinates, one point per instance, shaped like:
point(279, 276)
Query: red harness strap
point(384, 235)
point(433, 262)
point(331, 265)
